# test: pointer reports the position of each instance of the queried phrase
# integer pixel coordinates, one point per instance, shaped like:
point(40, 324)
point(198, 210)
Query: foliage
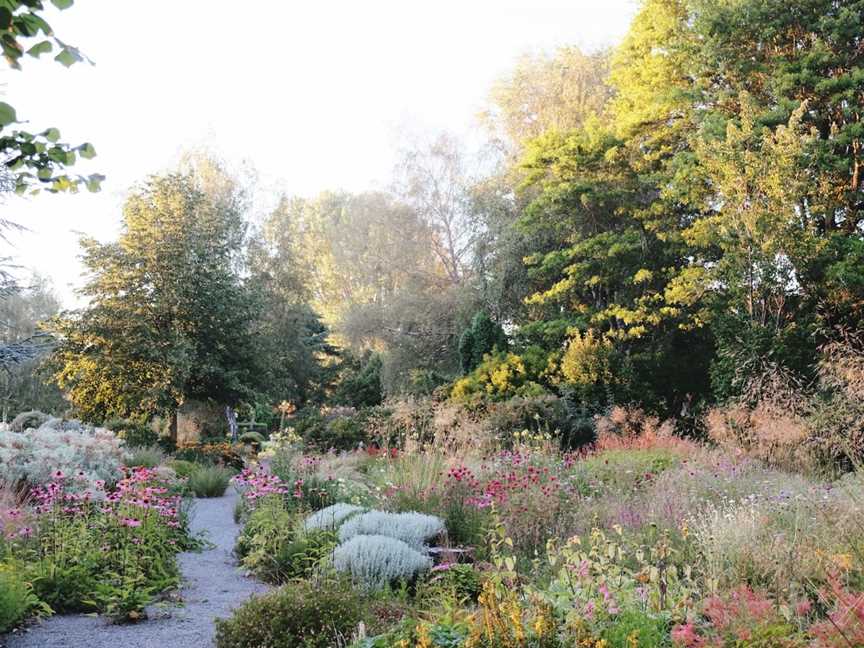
point(276, 548)
point(252, 438)
point(360, 383)
point(220, 454)
point(38, 160)
point(303, 614)
point(34, 456)
point(108, 550)
point(375, 561)
point(17, 600)
point(144, 457)
point(209, 481)
point(177, 254)
point(414, 529)
point(331, 517)
point(482, 338)
point(28, 421)
point(499, 377)
point(134, 433)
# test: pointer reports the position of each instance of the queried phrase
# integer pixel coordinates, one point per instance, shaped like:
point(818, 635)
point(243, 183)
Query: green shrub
point(210, 481)
point(462, 581)
point(301, 614)
point(135, 434)
point(647, 630)
point(28, 420)
point(480, 339)
point(182, 468)
point(221, 453)
point(145, 457)
point(252, 438)
point(17, 600)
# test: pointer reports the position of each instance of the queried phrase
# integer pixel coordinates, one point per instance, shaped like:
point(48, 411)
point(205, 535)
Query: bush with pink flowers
point(106, 548)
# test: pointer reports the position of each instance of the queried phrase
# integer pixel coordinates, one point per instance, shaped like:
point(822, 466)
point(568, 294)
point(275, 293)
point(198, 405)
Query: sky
point(313, 95)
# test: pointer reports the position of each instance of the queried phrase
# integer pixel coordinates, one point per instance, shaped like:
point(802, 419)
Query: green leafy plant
point(209, 481)
point(301, 614)
point(17, 599)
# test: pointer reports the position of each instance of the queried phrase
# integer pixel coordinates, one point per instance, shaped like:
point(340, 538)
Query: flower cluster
point(256, 483)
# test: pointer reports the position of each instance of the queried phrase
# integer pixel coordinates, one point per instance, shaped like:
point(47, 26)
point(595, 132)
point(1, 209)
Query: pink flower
point(131, 522)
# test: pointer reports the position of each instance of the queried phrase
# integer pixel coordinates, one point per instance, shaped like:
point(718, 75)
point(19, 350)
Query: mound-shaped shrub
point(302, 614)
point(28, 421)
point(330, 518)
point(83, 453)
point(374, 561)
point(414, 529)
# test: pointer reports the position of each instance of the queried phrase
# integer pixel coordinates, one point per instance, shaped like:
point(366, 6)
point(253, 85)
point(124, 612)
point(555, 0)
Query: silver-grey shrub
point(374, 561)
point(330, 518)
point(414, 529)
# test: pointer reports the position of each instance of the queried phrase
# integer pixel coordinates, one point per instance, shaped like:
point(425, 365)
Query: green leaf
point(62, 4)
point(5, 18)
point(94, 182)
point(67, 57)
point(87, 151)
point(43, 47)
point(52, 135)
point(7, 114)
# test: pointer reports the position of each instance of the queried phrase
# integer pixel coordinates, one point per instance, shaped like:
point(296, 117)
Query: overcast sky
point(311, 94)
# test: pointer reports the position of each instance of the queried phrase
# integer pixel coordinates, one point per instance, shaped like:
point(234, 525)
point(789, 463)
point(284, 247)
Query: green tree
point(22, 384)
point(480, 339)
point(168, 317)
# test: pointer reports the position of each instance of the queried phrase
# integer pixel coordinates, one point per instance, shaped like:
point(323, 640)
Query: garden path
point(212, 587)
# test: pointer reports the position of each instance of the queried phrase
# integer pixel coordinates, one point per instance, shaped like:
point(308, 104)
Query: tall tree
point(168, 317)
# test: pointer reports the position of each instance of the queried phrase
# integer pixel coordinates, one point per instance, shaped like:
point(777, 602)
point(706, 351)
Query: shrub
point(144, 457)
point(375, 561)
point(34, 456)
point(636, 628)
point(414, 529)
point(182, 468)
point(500, 376)
point(28, 421)
point(330, 518)
point(17, 600)
point(461, 580)
point(483, 337)
point(298, 615)
point(210, 481)
point(222, 453)
point(135, 434)
point(252, 438)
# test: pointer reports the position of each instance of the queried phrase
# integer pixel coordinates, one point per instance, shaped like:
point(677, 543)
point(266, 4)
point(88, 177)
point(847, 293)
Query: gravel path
point(213, 586)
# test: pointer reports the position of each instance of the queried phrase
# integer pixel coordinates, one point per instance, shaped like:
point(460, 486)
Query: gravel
point(213, 586)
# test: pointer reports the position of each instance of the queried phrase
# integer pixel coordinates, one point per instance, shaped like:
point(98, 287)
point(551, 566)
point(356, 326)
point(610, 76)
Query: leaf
point(62, 4)
point(52, 135)
point(7, 114)
point(87, 151)
point(43, 47)
point(5, 18)
point(67, 57)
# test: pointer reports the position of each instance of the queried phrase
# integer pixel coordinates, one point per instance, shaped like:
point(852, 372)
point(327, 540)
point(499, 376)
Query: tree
point(168, 317)
point(479, 340)
point(544, 93)
point(22, 385)
point(37, 160)
point(434, 179)
point(292, 341)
